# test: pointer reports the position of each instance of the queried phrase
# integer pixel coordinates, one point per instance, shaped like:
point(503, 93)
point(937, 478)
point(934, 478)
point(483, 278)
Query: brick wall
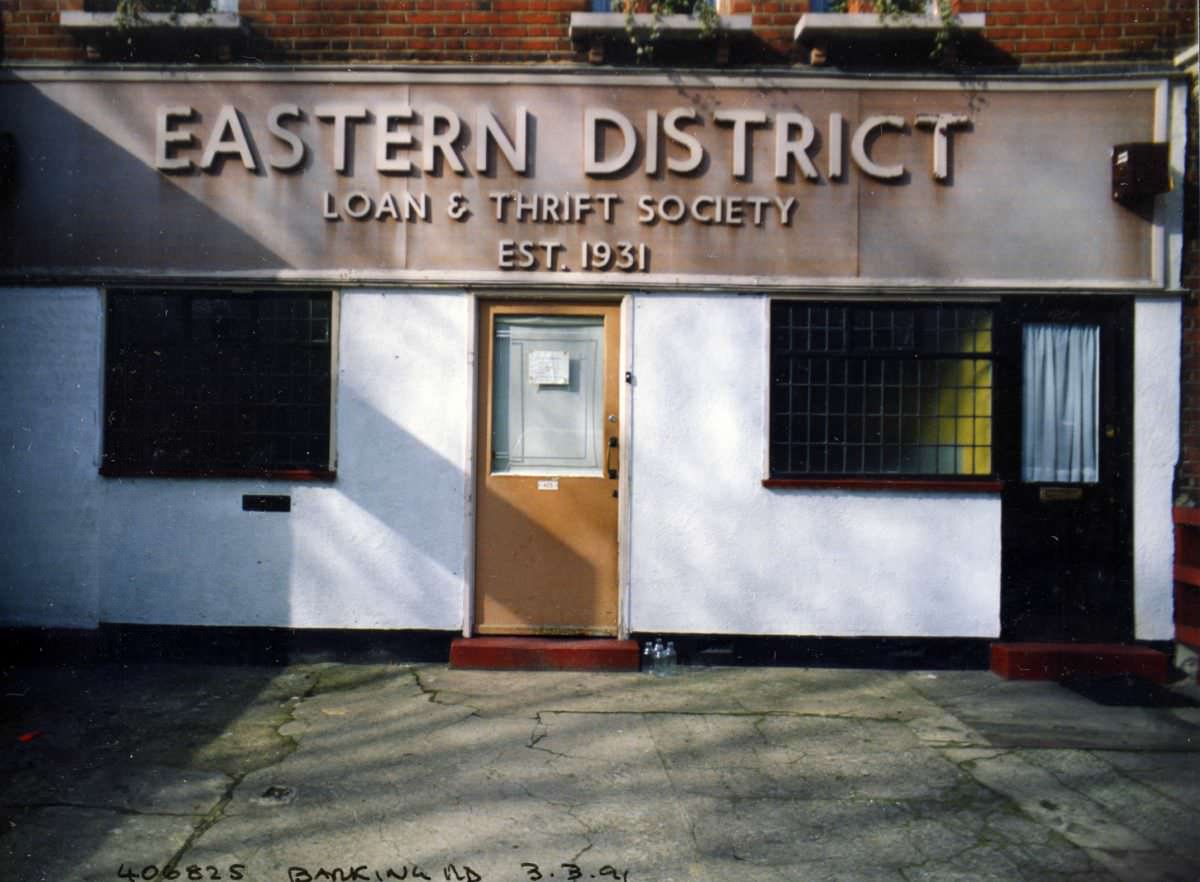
point(304, 31)
point(29, 31)
point(1041, 31)
point(414, 30)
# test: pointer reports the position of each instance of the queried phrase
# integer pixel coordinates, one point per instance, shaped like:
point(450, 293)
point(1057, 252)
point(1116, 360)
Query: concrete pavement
point(323, 770)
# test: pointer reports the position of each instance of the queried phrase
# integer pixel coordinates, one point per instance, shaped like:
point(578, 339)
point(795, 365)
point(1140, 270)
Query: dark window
point(888, 390)
point(206, 382)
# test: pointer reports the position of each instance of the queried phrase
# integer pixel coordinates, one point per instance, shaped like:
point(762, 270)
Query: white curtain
point(1060, 439)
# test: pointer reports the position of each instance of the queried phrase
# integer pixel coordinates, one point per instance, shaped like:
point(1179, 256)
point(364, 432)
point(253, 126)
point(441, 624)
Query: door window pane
point(547, 395)
point(1060, 438)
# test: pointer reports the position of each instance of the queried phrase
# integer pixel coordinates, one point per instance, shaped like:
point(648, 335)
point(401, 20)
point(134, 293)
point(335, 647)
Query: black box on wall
point(1139, 171)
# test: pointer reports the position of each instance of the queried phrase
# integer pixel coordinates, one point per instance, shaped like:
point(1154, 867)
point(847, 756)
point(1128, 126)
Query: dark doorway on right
point(1064, 441)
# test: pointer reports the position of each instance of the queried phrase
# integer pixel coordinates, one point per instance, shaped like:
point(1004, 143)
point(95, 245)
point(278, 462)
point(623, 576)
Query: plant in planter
point(129, 12)
point(946, 10)
point(881, 7)
point(643, 39)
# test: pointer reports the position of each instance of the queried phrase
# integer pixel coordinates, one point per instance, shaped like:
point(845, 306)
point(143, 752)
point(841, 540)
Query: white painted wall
point(49, 447)
point(713, 550)
point(710, 549)
point(381, 547)
point(1156, 326)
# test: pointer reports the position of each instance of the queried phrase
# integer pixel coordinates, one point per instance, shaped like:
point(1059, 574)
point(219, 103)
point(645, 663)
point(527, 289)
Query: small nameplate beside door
point(548, 484)
point(1060, 494)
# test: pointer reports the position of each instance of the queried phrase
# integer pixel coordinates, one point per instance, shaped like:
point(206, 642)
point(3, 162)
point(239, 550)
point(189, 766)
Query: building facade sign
point(645, 181)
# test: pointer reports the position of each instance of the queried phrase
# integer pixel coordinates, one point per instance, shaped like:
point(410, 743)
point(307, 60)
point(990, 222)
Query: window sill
point(95, 22)
point(934, 485)
point(866, 25)
point(256, 474)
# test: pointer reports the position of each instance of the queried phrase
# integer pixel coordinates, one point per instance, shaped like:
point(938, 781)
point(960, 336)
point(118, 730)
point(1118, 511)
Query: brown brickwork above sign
point(469, 31)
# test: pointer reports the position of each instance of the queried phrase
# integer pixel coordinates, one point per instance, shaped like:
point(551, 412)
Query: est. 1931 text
point(541, 254)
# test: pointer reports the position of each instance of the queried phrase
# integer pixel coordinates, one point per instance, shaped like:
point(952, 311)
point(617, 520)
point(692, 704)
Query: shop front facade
point(576, 351)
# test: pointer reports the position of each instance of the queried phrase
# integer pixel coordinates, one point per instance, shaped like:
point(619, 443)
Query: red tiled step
point(544, 654)
point(1055, 661)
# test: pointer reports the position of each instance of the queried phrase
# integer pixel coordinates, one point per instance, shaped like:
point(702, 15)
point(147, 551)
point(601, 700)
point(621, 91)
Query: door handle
point(608, 459)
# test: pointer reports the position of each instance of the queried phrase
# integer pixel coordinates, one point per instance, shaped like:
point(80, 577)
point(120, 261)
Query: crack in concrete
point(1124, 773)
point(966, 762)
point(688, 821)
point(756, 714)
point(1104, 811)
point(575, 857)
point(206, 823)
point(588, 832)
point(435, 695)
point(1055, 835)
point(758, 728)
point(570, 810)
point(214, 815)
point(535, 737)
point(987, 836)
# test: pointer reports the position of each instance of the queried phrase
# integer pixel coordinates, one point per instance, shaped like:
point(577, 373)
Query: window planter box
point(96, 22)
point(598, 29)
point(155, 36)
point(842, 34)
point(864, 25)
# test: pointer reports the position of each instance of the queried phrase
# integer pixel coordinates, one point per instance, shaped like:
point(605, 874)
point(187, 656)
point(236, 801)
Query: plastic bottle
point(647, 658)
point(656, 664)
point(670, 660)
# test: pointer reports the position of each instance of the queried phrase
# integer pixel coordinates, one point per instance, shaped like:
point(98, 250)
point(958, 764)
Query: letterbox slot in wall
point(252, 502)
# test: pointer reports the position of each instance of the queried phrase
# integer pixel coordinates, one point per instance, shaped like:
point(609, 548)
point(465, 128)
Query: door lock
point(612, 449)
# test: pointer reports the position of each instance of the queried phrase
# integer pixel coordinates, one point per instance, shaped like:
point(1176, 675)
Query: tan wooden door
point(546, 503)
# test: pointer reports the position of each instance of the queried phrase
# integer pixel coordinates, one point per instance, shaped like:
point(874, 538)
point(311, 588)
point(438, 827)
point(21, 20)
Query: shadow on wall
point(50, 343)
point(73, 177)
point(381, 547)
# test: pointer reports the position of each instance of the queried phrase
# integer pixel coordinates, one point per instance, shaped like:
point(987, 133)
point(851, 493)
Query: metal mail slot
point(253, 502)
point(1060, 494)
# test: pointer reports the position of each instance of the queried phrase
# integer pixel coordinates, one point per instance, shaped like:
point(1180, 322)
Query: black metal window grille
point(217, 382)
point(888, 390)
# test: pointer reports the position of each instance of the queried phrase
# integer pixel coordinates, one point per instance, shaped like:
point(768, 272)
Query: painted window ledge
point(95, 22)
point(866, 25)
